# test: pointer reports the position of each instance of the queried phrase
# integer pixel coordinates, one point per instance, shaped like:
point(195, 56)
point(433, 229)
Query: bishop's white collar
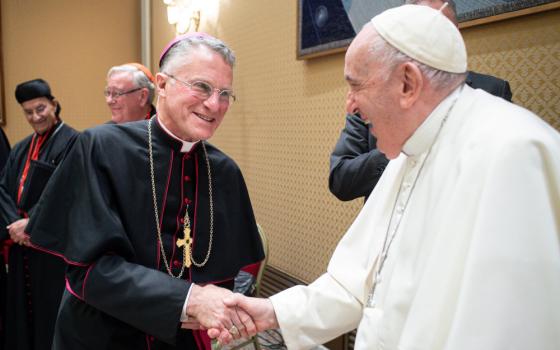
point(186, 147)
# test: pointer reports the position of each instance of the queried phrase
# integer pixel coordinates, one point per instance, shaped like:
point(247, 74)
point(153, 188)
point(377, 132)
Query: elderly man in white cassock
point(458, 247)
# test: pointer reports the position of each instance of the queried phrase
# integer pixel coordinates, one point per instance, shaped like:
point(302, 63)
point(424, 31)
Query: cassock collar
point(186, 146)
point(426, 133)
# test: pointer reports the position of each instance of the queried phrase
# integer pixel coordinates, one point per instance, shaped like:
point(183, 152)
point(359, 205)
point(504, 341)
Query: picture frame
point(476, 12)
point(328, 26)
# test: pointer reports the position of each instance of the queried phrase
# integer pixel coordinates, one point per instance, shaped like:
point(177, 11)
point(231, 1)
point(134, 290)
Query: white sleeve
point(315, 314)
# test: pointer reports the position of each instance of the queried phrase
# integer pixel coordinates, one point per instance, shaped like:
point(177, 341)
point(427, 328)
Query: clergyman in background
point(35, 279)
point(129, 93)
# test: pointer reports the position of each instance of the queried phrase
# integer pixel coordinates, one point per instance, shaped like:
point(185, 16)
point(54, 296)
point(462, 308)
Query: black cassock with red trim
point(98, 215)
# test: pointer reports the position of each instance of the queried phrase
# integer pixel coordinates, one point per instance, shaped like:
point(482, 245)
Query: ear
point(412, 84)
point(161, 82)
point(144, 97)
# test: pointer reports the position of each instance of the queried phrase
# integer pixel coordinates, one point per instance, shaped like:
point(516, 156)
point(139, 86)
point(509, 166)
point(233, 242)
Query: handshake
point(227, 316)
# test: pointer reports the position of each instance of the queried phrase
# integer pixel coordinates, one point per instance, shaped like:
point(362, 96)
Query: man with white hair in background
point(458, 247)
point(129, 93)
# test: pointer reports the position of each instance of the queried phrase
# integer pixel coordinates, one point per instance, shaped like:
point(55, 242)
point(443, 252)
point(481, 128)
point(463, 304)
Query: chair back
point(262, 266)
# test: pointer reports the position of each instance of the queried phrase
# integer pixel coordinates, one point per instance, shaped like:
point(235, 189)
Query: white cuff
point(184, 316)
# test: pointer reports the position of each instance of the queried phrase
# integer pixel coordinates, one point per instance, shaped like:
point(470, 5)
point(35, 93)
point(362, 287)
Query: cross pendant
point(186, 244)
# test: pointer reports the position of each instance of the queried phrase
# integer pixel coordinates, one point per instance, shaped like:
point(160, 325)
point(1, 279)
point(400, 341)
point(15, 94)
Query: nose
point(36, 116)
point(110, 99)
point(351, 107)
point(213, 102)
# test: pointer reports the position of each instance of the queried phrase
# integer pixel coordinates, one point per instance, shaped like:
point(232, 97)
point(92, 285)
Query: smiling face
point(179, 109)
point(127, 107)
point(372, 94)
point(40, 113)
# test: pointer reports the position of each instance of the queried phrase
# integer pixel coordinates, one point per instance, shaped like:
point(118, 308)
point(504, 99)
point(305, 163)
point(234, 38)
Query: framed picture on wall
point(475, 12)
point(328, 26)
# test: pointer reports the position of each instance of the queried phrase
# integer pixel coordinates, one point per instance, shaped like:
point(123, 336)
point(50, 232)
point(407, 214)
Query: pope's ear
point(161, 81)
point(412, 84)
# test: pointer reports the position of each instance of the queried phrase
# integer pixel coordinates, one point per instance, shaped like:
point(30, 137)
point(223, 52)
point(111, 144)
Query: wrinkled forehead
point(359, 56)
point(203, 61)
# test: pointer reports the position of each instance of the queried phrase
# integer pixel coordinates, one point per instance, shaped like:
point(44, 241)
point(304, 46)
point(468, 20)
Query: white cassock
point(475, 262)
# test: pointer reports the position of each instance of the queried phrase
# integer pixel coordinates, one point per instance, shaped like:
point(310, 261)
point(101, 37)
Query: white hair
point(184, 47)
point(139, 78)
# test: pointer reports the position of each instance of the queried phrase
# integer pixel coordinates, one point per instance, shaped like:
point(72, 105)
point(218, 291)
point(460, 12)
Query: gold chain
point(187, 252)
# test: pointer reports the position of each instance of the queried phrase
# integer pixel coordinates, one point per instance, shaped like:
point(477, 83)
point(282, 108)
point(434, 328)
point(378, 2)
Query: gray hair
point(184, 47)
point(390, 58)
point(139, 78)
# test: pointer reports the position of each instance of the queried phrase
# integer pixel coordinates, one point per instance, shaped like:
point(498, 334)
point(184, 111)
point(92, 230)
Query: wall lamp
point(184, 14)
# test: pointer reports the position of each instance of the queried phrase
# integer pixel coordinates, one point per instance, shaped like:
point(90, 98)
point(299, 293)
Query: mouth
point(204, 117)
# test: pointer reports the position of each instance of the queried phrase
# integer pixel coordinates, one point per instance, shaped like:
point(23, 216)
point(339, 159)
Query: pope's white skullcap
point(425, 35)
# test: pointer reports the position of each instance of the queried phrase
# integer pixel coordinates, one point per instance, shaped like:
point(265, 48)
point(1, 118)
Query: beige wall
point(71, 44)
point(289, 114)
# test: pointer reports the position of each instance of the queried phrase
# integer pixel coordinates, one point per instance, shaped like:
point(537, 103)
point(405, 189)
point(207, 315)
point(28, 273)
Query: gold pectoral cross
point(185, 242)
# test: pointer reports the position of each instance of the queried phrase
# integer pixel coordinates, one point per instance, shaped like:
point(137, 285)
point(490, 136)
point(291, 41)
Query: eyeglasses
point(204, 91)
point(115, 94)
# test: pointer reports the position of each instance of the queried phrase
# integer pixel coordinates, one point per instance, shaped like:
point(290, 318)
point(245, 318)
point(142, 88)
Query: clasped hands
point(227, 316)
point(17, 231)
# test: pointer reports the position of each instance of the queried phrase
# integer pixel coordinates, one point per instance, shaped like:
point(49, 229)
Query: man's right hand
point(206, 305)
point(260, 310)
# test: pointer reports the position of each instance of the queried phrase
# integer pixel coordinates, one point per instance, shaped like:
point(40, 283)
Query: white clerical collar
point(426, 133)
point(187, 146)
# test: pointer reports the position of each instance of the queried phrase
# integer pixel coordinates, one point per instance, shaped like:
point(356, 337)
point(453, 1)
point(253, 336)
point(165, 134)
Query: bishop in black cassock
point(123, 290)
point(35, 280)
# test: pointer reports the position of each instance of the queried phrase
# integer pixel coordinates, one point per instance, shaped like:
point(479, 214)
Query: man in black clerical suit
point(150, 216)
point(356, 164)
point(35, 280)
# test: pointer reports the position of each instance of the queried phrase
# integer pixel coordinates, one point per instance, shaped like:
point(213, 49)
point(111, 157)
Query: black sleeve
point(507, 94)
point(146, 299)
point(8, 190)
point(355, 166)
point(79, 221)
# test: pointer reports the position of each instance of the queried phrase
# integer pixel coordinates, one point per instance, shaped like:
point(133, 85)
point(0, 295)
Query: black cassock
point(99, 216)
point(35, 280)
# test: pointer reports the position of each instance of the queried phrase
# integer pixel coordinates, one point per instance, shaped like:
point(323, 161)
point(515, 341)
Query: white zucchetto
point(425, 35)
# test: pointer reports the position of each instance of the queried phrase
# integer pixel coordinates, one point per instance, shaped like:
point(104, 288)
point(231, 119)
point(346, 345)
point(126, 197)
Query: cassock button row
point(176, 263)
point(187, 178)
point(187, 201)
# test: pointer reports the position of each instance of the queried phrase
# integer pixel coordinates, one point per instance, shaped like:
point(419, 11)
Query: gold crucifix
point(185, 242)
